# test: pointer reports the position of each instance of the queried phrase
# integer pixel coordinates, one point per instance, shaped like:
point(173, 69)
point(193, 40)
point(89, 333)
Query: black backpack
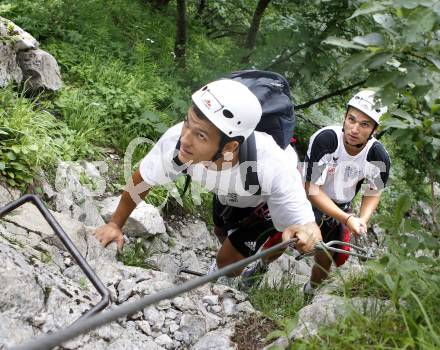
point(273, 92)
point(278, 117)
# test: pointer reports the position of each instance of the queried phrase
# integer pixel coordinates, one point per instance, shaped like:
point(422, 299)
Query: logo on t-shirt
point(332, 166)
point(251, 245)
point(232, 197)
point(351, 172)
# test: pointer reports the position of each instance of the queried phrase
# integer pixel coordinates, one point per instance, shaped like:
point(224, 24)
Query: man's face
point(199, 139)
point(357, 127)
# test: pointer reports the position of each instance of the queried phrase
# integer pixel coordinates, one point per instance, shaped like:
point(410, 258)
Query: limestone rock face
point(52, 292)
point(21, 61)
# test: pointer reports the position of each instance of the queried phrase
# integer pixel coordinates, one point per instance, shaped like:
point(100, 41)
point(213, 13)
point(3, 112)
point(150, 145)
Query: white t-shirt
point(279, 178)
point(341, 175)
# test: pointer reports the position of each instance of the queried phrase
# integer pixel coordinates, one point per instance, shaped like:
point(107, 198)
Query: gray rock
point(328, 309)
point(13, 331)
point(21, 39)
point(229, 306)
point(7, 195)
point(42, 182)
point(183, 303)
point(144, 221)
point(144, 326)
point(214, 340)
point(40, 70)
point(210, 299)
point(125, 289)
point(193, 326)
point(190, 261)
point(288, 270)
point(164, 341)
point(197, 237)
point(280, 343)
point(163, 262)
point(163, 305)
point(29, 217)
point(12, 299)
point(245, 307)
point(10, 71)
point(63, 308)
point(155, 318)
point(216, 309)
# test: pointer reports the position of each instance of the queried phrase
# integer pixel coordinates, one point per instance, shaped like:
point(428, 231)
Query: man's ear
point(231, 146)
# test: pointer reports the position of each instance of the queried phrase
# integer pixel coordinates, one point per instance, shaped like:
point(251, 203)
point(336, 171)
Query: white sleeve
point(288, 203)
point(157, 167)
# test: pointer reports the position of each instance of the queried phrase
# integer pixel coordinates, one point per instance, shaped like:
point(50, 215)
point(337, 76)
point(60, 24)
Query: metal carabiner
point(321, 246)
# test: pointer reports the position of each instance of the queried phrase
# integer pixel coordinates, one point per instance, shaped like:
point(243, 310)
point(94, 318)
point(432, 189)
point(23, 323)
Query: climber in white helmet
point(205, 146)
point(340, 162)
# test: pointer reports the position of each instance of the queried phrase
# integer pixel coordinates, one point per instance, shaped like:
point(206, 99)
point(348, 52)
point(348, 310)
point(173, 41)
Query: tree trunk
point(253, 30)
point(180, 44)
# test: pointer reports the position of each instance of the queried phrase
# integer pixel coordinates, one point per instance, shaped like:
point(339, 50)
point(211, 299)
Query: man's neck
point(353, 150)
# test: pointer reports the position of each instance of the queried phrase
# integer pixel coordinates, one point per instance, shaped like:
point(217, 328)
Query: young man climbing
point(206, 147)
point(338, 162)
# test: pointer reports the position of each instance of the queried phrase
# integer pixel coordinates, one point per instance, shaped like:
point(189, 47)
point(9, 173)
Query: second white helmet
point(364, 101)
point(230, 106)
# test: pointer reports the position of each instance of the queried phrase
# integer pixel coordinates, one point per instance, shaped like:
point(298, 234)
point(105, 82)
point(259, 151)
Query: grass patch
point(135, 253)
point(279, 302)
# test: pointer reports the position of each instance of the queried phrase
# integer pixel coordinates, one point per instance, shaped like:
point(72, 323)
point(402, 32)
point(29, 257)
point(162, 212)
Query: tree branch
point(226, 34)
point(327, 96)
point(317, 126)
point(282, 59)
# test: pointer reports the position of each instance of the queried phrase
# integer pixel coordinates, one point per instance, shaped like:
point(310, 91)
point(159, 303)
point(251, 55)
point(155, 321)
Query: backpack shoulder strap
point(248, 153)
point(177, 162)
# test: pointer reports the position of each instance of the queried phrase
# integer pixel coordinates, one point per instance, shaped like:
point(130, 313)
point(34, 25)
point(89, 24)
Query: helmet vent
point(230, 132)
point(239, 122)
point(228, 114)
point(377, 110)
point(204, 88)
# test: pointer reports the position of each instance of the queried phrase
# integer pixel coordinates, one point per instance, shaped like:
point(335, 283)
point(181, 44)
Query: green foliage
point(406, 278)
point(278, 303)
point(83, 283)
point(135, 253)
point(400, 57)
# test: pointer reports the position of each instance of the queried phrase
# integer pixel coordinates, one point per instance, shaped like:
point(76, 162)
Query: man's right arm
point(134, 193)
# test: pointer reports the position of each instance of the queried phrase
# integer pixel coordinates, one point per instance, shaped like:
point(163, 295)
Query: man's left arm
point(368, 207)
point(380, 161)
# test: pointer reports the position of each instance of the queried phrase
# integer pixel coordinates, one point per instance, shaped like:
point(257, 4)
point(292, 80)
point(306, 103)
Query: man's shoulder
point(324, 141)
point(267, 147)
point(377, 152)
point(173, 131)
point(326, 136)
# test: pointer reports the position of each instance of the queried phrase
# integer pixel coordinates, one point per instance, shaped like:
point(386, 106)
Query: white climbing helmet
point(230, 106)
point(364, 101)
